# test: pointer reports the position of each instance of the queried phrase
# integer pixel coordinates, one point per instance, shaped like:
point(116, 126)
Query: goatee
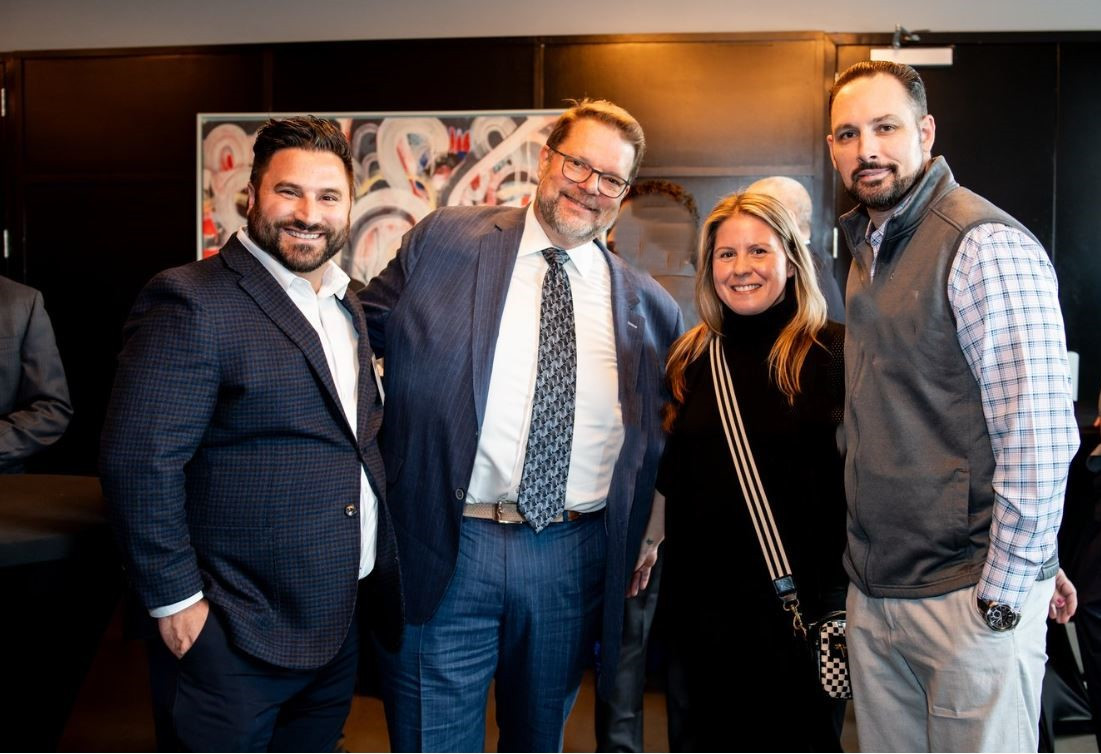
point(887, 194)
point(296, 257)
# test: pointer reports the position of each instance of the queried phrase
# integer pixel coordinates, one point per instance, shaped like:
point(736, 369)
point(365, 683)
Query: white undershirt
point(598, 418)
point(339, 341)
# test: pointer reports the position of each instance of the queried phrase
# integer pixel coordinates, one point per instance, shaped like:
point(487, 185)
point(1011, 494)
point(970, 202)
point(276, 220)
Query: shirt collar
point(534, 240)
point(334, 281)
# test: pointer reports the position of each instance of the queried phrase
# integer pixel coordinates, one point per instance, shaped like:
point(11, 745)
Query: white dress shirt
point(598, 418)
point(339, 341)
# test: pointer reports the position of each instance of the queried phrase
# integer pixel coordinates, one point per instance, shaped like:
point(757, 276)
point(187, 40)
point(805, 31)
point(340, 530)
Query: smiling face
point(576, 213)
point(300, 212)
point(878, 143)
point(749, 266)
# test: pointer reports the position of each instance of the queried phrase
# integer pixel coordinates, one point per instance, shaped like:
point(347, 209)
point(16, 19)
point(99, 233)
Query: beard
point(296, 257)
point(578, 230)
point(888, 193)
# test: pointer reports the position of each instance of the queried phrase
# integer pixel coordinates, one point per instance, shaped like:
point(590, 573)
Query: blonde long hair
point(788, 353)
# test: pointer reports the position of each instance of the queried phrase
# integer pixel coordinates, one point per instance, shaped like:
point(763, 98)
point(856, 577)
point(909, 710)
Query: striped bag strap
point(756, 500)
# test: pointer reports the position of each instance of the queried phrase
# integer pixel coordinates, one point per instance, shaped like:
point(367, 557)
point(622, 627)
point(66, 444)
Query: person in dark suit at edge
point(521, 440)
point(34, 397)
point(241, 469)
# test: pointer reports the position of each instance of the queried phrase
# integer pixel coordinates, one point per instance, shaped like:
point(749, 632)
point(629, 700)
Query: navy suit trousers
point(216, 698)
point(521, 607)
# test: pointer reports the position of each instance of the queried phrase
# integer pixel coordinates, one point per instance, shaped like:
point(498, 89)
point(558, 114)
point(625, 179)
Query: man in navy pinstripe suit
point(240, 464)
point(491, 589)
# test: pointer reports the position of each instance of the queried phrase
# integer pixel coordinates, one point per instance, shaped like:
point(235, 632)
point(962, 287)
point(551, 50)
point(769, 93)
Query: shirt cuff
point(175, 607)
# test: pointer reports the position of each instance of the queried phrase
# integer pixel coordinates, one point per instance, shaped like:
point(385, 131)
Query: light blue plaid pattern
point(1003, 291)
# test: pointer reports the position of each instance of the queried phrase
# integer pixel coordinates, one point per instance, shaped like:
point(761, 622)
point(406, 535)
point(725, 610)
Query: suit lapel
point(258, 283)
point(628, 335)
point(367, 415)
point(496, 259)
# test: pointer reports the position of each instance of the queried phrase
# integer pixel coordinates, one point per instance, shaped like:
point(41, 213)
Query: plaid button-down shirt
point(1003, 292)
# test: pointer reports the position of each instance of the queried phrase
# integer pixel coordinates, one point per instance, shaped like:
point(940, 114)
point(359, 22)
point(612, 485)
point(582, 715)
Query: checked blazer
point(434, 313)
point(229, 466)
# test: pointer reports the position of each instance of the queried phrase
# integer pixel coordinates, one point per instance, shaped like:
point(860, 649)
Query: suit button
point(349, 510)
point(460, 494)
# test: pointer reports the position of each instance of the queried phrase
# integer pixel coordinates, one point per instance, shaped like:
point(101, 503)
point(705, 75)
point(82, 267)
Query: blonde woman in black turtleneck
point(736, 668)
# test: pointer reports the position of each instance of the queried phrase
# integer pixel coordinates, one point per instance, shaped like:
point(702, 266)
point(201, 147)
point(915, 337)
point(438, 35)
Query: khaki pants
point(929, 675)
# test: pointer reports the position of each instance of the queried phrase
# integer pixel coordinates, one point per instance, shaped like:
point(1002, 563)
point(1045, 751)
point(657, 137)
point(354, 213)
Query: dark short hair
point(902, 73)
point(662, 187)
point(607, 113)
point(304, 132)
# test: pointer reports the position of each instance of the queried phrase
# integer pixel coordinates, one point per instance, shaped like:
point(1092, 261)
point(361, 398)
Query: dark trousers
point(1088, 624)
point(727, 670)
point(522, 608)
point(216, 698)
point(619, 718)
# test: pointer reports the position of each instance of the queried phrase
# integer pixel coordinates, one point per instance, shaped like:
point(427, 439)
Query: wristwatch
point(999, 616)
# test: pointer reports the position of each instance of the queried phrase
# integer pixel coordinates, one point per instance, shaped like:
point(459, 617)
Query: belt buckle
point(498, 513)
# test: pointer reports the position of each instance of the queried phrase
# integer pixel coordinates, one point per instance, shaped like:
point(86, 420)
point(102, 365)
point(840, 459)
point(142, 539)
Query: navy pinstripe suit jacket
point(227, 463)
point(435, 313)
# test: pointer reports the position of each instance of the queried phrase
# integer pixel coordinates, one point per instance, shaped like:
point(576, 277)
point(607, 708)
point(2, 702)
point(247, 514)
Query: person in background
point(656, 233)
point(792, 194)
point(34, 396)
point(959, 432)
point(734, 653)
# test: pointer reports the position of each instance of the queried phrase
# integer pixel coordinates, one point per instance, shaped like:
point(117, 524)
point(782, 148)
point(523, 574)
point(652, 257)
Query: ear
point(829, 141)
point(251, 196)
point(927, 129)
point(545, 155)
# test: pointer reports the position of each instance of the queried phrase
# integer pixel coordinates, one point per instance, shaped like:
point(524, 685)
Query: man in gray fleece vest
point(960, 429)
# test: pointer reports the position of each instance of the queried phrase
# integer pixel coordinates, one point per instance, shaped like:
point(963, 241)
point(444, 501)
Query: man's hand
point(1064, 602)
point(180, 630)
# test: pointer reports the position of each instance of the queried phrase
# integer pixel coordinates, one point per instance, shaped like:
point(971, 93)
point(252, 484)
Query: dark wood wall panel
point(92, 243)
point(1078, 186)
point(430, 74)
point(128, 113)
point(724, 108)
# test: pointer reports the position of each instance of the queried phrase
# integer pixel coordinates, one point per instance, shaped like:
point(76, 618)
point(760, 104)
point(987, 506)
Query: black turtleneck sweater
point(714, 570)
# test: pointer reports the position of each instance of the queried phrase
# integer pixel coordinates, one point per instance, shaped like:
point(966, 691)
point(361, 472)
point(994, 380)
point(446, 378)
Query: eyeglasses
point(578, 171)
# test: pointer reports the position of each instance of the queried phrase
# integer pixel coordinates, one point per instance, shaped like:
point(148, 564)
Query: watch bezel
point(998, 615)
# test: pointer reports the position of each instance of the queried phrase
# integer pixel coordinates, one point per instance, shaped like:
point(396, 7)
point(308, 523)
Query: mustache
point(582, 201)
point(298, 225)
point(866, 165)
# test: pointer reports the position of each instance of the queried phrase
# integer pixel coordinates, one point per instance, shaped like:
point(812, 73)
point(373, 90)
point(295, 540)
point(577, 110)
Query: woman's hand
point(648, 551)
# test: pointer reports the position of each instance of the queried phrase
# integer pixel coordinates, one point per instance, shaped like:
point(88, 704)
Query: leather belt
point(505, 512)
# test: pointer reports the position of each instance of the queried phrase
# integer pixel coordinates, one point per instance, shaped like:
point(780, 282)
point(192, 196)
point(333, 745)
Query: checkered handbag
point(833, 656)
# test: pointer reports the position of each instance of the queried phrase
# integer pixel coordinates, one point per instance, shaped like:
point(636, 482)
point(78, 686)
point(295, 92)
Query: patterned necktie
point(542, 494)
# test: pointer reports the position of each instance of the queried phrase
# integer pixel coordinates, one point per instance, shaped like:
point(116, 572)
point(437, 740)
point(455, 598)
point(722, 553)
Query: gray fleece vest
point(919, 467)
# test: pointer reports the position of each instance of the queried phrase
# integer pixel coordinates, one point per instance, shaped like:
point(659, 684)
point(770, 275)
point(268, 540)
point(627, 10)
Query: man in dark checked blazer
point(519, 516)
point(240, 464)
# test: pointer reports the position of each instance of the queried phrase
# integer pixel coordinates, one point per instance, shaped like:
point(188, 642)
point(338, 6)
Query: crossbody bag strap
point(753, 491)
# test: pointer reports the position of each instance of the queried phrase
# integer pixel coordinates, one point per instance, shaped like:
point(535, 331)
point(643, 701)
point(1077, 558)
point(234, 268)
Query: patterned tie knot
point(555, 256)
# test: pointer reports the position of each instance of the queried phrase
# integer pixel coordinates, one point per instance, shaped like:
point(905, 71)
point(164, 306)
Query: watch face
point(1001, 617)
